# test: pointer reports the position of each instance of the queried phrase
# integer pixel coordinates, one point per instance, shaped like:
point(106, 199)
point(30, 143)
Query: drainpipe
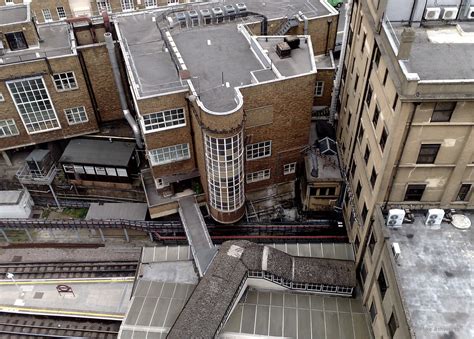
point(118, 83)
point(337, 81)
point(305, 18)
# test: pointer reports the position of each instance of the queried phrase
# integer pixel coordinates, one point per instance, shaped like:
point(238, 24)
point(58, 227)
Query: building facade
point(405, 128)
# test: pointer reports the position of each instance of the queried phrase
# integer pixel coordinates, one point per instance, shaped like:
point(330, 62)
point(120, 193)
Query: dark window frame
point(373, 177)
point(364, 213)
point(414, 192)
point(16, 41)
point(375, 116)
point(366, 154)
point(382, 282)
point(373, 311)
point(443, 114)
point(358, 189)
point(463, 193)
point(428, 153)
point(383, 138)
point(392, 324)
point(372, 242)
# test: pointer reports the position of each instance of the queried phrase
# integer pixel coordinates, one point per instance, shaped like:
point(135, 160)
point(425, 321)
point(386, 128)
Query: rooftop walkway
point(202, 248)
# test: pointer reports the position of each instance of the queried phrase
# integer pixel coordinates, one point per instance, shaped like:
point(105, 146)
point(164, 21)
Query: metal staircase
point(287, 25)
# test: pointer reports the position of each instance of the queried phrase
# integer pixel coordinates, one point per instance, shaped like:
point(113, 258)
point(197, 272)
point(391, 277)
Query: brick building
point(221, 111)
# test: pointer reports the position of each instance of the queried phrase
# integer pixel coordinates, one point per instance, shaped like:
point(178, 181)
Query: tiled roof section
point(215, 294)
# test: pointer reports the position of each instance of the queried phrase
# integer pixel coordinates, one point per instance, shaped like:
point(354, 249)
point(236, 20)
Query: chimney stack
point(406, 42)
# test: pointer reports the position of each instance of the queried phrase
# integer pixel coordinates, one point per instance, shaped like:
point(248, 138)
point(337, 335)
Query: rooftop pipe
point(118, 83)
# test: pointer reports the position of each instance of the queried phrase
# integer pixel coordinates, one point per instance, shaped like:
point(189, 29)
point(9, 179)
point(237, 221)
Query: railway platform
point(92, 298)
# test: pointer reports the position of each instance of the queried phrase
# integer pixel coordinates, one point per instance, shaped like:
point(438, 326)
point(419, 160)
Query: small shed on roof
point(98, 152)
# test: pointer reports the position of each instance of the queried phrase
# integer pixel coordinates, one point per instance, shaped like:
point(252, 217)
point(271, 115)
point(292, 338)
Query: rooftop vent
point(241, 9)
point(283, 50)
point(180, 16)
point(292, 41)
point(229, 10)
point(217, 11)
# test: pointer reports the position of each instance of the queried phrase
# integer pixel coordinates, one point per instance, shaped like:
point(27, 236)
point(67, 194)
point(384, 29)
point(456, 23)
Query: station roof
point(98, 152)
point(220, 285)
point(434, 273)
point(123, 210)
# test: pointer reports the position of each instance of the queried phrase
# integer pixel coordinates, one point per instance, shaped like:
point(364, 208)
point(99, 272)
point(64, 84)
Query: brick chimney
point(406, 42)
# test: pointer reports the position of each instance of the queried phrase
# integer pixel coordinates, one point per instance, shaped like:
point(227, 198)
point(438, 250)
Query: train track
point(69, 269)
point(33, 326)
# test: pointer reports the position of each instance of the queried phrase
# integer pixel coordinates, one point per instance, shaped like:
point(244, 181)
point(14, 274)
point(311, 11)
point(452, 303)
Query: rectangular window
point(8, 128)
point(414, 192)
point(443, 111)
point(463, 194)
point(68, 168)
point(127, 5)
point(364, 214)
point(368, 98)
point(33, 104)
point(325, 191)
point(319, 89)
point(356, 82)
point(111, 171)
point(353, 168)
point(377, 55)
point(16, 40)
point(169, 154)
point(395, 101)
point(122, 172)
point(104, 5)
point(358, 190)
point(360, 134)
point(47, 15)
point(367, 154)
point(100, 170)
point(89, 170)
point(373, 311)
point(289, 168)
point(76, 115)
point(150, 3)
point(373, 177)
point(364, 37)
point(392, 325)
point(428, 153)
point(65, 81)
point(61, 13)
point(372, 242)
point(9, 2)
point(385, 77)
point(258, 176)
point(79, 169)
point(375, 117)
point(383, 138)
point(382, 283)
point(164, 120)
point(259, 150)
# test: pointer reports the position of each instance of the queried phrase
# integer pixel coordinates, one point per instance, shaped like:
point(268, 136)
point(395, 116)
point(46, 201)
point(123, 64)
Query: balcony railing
point(27, 176)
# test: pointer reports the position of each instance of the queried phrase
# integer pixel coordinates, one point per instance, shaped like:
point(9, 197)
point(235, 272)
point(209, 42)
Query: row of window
point(168, 154)
point(414, 192)
point(48, 16)
point(96, 170)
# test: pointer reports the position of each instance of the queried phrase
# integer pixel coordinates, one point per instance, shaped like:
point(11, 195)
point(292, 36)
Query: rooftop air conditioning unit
point(396, 250)
point(470, 13)
point(434, 217)
point(395, 217)
point(450, 13)
point(432, 13)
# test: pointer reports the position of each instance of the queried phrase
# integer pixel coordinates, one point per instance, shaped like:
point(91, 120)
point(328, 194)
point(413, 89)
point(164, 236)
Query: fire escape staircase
point(288, 24)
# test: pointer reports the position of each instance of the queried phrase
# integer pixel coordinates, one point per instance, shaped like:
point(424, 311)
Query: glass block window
point(76, 115)
point(65, 81)
point(169, 154)
point(163, 120)
point(61, 12)
point(224, 163)
point(8, 128)
point(33, 104)
point(127, 5)
point(258, 176)
point(289, 168)
point(259, 150)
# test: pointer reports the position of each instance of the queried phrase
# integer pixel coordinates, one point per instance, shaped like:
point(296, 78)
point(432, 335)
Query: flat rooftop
point(442, 52)
point(435, 273)
point(219, 57)
point(10, 197)
point(56, 41)
point(14, 14)
point(93, 298)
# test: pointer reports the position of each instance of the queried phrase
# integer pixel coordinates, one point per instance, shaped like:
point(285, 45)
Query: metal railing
point(26, 176)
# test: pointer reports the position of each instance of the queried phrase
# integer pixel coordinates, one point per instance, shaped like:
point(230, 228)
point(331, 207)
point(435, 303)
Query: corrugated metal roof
point(98, 152)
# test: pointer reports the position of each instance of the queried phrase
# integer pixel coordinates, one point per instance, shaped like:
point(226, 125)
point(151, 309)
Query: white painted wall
point(21, 210)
